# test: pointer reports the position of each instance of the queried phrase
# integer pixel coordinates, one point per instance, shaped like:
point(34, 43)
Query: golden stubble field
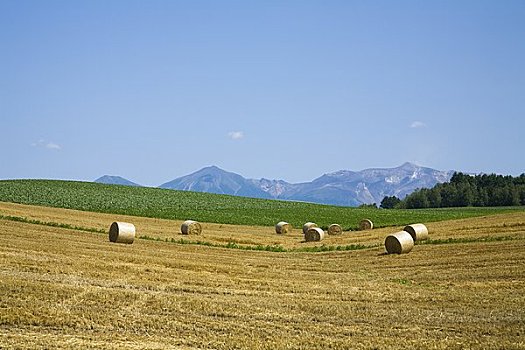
point(68, 289)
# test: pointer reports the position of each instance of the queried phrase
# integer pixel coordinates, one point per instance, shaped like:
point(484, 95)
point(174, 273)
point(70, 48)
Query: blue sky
point(154, 90)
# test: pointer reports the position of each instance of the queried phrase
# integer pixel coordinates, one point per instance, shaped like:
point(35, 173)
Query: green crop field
point(213, 208)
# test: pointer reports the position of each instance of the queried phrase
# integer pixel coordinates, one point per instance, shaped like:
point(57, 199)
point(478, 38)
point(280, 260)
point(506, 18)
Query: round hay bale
point(190, 227)
point(283, 227)
point(419, 232)
point(122, 232)
point(314, 234)
point(335, 229)
point(308, 225)
point(399, 243)
point(366, 225)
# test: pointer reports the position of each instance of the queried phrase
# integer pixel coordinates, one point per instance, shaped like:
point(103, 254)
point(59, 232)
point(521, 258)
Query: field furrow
point(66, 288)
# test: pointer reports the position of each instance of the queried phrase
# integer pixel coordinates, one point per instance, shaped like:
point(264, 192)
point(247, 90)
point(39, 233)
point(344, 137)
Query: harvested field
point(69, 288)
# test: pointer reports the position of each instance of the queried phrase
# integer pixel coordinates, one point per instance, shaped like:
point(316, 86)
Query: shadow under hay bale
point(419, 232)
point(366, 225)
point(190, 227)
point(399, 243)
point(308, 225)
point(314, 234)
point(335, 229)
point(122, 232)
point(283, 227)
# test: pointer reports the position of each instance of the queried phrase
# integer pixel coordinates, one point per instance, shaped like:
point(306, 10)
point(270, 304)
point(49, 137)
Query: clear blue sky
point(154, 90)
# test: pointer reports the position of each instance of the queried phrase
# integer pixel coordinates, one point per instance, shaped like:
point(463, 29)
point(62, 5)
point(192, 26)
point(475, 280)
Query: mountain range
point(344, 187)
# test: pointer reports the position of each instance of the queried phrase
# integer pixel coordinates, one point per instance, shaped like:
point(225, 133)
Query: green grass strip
point(483, 239)
point(50, 224)
point(266, 248)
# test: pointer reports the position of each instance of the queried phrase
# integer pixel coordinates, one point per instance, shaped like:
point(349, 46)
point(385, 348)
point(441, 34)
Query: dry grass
point(84, 292)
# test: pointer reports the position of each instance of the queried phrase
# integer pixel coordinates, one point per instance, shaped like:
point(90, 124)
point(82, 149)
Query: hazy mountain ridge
point(116, 180)
point(342, 187)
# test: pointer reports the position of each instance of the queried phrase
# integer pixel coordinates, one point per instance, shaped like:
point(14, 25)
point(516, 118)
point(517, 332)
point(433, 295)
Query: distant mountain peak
point(408, 165)
point(115, 180)
point(340, 173)
point(213, 179)
point(212, 167)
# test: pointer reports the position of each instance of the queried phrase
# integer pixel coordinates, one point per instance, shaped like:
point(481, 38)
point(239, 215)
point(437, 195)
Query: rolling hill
point(209, 207)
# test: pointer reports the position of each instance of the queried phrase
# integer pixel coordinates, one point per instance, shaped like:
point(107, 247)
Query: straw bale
point(283, 227)
point(122, 232)
point(314, 234)
point(335, 229)
point(366, 225)
point(419, 232)
point(399, 243)
point(190, 227)
point(308, 225)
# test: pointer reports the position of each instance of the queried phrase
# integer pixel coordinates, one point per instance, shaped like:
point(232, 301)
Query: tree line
point(465, 191)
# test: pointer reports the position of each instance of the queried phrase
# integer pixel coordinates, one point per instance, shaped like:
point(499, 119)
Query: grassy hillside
point(169, 204)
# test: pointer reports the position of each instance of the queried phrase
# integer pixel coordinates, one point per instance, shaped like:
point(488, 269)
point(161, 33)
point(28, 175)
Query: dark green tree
point(468, 190)
point(465, 195)
point(434, 197)
point(449, 196)
point(390, 202)
point(521, 191)
point(417, 200)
